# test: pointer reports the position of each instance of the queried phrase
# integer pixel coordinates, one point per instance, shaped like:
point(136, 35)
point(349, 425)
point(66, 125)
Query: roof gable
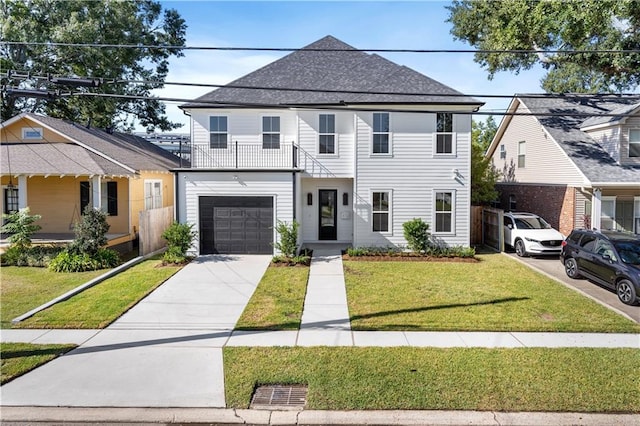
point(330, 72)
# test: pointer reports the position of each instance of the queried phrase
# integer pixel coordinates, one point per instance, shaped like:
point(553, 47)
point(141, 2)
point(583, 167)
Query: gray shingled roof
point(132, 151)
point(564, 126)
point(316, 74)
point(55, 159)
point(619, 114)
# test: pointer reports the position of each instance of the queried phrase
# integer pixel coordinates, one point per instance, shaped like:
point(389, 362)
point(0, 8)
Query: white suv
point(528, 234)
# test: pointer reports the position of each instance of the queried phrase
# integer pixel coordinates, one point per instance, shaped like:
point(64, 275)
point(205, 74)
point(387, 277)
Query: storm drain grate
point(279, 396)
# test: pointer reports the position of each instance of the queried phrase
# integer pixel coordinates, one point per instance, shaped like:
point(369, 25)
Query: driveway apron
point(165, 352)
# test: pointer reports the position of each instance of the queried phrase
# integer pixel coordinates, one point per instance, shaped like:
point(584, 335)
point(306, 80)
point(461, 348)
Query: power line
point(291, 49)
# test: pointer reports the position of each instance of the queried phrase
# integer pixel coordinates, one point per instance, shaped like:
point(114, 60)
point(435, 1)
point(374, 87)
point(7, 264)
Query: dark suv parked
point(608, 258)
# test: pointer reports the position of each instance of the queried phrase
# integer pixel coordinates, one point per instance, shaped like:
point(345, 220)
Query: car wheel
point(626, 292)
point(571, 268)
point(520, 249)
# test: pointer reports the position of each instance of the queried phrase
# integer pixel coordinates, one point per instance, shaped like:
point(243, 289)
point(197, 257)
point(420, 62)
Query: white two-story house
point(573, 159)
point(348, 144)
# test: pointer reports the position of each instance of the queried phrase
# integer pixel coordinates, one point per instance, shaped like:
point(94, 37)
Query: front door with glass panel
point(328, 214)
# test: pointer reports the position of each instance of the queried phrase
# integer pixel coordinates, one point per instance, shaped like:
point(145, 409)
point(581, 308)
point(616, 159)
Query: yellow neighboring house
point(57, 168)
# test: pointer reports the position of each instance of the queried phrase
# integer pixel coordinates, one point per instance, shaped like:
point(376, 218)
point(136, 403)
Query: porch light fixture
point(345, 199)
point(309, 199)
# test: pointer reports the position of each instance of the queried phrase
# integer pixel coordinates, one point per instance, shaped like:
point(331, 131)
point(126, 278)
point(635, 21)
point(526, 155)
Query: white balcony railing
point(245, 156)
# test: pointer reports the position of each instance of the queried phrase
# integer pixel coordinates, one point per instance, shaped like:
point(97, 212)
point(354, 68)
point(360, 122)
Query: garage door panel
point(236, 225)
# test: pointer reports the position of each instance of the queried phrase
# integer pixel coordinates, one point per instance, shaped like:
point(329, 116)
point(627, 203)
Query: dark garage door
point(236, 225)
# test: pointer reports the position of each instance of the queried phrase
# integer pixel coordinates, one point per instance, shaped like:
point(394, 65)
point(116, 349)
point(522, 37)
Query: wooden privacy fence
point(152, 225)
point(486, 227)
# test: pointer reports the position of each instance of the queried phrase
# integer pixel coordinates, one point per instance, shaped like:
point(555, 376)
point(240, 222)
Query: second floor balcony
point(236, 155)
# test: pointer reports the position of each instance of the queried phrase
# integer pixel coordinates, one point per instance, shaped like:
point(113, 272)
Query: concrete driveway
point(552, 266)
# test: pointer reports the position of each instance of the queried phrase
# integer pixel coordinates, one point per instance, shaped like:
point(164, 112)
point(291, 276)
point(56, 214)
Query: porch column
point(596, 208)
point(22, 192)
point(96, 192)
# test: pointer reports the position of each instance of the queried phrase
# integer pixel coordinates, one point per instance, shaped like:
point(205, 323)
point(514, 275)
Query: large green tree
point(38, 22)
point(495, 27)
point(483, 173)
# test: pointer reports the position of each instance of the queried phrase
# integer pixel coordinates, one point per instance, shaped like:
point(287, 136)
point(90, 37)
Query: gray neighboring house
point(575, 161)
point(348, 144)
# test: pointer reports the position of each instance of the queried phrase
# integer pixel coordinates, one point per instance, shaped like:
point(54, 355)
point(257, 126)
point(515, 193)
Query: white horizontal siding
point(193, 185)
point(545, 161)
point(609, 139)
point(412, 173)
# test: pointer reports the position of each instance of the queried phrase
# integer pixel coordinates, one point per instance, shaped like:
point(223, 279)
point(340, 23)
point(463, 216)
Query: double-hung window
point(152, 194)
point(327, 134)
point(522, 150)
point(381, 211)
point(444, 133)
point(444, 212)
point(381, 133)
point(108, 197)
point(270, 132)
point(634, 143)
point(218, 132)
point(10, 200)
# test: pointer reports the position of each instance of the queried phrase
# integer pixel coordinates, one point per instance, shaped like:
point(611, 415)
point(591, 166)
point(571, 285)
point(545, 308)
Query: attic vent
point(279, 397)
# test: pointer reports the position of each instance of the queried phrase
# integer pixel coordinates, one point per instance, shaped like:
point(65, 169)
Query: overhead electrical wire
point(291, 49)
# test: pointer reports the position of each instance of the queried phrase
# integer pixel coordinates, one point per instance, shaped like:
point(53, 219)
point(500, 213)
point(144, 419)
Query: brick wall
point(555, 203)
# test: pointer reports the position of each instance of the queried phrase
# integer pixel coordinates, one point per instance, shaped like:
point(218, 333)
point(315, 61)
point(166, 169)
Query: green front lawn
point(531, 379)
point(25, 288)
point(19, 358)
point(100, 305)
point(278, 301)
point(495, 294)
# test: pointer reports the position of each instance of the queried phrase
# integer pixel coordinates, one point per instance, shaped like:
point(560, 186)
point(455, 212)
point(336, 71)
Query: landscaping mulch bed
point(410, 258)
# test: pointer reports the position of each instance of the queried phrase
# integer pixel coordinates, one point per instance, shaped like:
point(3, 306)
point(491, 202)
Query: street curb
point(83, 287)
point(227, 416)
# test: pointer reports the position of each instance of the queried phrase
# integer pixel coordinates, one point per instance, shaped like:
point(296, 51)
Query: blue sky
point(295, 24)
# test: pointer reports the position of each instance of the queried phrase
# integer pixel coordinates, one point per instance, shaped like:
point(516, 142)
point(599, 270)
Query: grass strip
point(495, 294)
point(100, 305)
point(19, 358)
point(25, 288)
point(278, 300)
point(523, 379)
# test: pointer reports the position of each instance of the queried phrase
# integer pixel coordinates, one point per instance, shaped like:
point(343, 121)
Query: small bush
point(292, 261)
point(179, 238)
point(36, 256)
point(20, 225)
point(287, 244)
point(68, 261)
point(416, 232)
point(91, 232)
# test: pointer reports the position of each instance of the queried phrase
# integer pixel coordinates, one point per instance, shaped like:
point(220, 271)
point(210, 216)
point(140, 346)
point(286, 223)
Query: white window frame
point(150, 200)
point(334, 135)
point(604, 199)
point(263, 133)
point(451, 133)
point(503, 152)
point(522, 152)
point(389, 230)
point(452, 231)
point(637, 142)
point(389, 134)
point(27, 130)
point(211, 132)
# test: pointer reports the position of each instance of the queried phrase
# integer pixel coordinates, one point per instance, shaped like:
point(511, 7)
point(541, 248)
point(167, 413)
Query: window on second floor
point(270, 132)
point(521, 154)
point(218, 132)
point(380, 133)
point(32, 133)
point(327, 134)
point(634, 143)
point(444, 133)
point(503, 151)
